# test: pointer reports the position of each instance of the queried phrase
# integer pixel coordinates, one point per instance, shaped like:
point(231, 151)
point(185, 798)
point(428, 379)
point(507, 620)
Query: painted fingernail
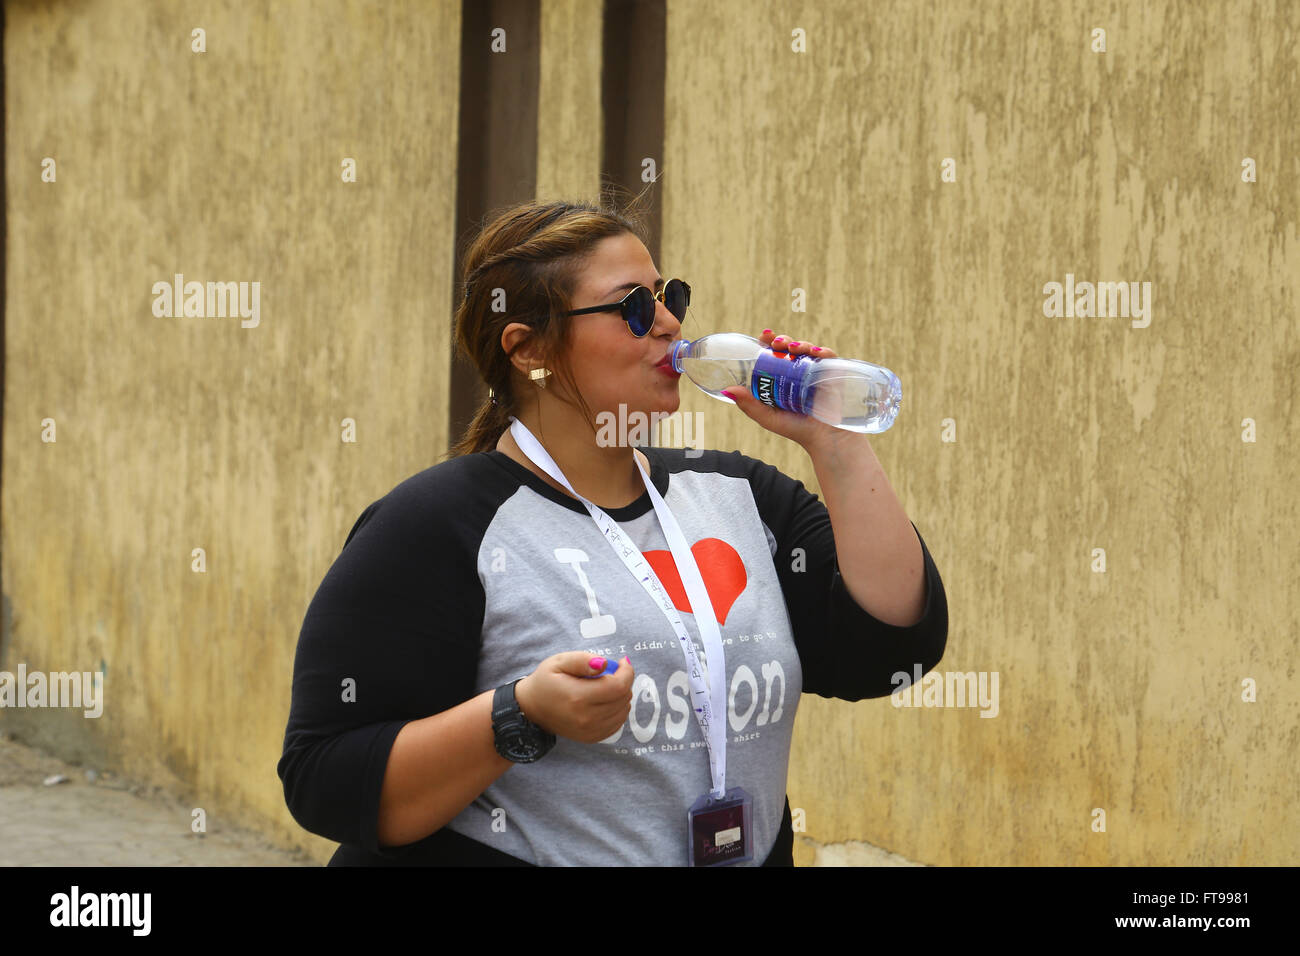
point(794, 343)
point(816, 348)
point(596, 663)
point(767, 331)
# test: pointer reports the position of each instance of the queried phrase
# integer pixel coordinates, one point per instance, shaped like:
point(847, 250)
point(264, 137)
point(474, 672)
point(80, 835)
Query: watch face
point(512, 743)
point(521, 745)
point(523, 748)
point(516, 738)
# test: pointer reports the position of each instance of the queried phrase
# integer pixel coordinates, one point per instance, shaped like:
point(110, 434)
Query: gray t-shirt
point(476, 570)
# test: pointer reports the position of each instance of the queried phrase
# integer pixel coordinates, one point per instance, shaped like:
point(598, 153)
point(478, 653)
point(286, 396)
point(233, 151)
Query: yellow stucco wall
point(183, 433)
point(822, 171)
point(568, 100)
point(1025, 442)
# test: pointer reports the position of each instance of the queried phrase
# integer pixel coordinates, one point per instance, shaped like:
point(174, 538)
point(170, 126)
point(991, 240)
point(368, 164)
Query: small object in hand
point(611, 666)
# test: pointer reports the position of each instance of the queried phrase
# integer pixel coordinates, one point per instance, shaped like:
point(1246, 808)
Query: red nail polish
point(596, 663)
point(794, 343)
point(767, 331)
point(816, 348)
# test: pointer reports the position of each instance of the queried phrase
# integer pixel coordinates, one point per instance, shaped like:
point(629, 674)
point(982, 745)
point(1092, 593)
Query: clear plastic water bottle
point(847, 393)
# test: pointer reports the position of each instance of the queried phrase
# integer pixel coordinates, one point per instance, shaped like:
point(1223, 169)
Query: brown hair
point(534, 252)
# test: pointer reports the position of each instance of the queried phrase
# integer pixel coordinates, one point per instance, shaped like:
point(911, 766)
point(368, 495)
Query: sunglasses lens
point(677, 296)
point(639, 310)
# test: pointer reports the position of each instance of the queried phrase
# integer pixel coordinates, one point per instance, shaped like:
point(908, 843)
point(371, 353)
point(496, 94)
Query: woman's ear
point(526, 354)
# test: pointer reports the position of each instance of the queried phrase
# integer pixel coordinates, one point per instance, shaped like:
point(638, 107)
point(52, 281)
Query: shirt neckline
point(658, 476)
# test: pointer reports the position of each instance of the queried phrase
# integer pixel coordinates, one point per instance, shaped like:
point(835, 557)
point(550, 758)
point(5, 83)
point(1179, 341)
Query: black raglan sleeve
point(391, 636)
point(844, 651)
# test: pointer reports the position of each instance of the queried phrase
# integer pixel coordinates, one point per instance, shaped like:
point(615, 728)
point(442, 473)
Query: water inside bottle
point(715, 374)
point(854, 403)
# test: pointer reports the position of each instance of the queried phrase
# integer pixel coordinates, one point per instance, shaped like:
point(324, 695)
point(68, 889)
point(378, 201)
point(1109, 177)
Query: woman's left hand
point(802, 429)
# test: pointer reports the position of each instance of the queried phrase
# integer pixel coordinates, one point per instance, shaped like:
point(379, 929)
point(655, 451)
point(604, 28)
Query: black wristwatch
point(517, 737)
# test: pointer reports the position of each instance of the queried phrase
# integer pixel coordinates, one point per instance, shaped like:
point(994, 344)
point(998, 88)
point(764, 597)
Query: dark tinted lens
point(639, 310)
point(677, 296)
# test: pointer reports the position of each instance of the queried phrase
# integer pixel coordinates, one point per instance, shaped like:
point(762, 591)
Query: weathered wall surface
point(195, 432)
point(1026, 442)
point(1111, 545)
point(568, 100)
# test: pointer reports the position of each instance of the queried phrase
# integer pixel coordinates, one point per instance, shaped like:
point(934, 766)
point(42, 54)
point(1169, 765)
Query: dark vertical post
point(496, 145)
point(632, 99)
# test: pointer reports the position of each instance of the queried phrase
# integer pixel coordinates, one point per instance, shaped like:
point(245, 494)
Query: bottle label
point(776, 380)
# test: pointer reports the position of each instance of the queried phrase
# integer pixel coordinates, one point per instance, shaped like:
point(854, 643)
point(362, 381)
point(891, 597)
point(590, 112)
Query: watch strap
point(510, 724)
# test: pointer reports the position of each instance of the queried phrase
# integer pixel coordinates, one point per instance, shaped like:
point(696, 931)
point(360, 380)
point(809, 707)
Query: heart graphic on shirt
point(720, 567)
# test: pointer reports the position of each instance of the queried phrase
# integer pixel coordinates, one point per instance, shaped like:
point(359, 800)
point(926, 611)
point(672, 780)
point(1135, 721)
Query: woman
point(450, 700)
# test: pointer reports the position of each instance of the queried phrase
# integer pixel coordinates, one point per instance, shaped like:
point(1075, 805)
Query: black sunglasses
point(638, 306)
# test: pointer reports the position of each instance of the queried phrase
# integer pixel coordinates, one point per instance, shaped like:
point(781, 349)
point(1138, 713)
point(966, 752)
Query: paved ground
point(853, 853)
point(99, 819)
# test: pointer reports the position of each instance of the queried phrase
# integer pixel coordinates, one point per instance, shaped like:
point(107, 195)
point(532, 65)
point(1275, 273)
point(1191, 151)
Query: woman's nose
point(673, 324)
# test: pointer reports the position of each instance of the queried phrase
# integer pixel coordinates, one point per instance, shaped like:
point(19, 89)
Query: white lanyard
point(709, 701)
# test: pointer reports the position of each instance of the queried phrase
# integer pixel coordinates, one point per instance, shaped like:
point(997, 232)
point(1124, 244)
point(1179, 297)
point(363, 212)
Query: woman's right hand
point(558, 698)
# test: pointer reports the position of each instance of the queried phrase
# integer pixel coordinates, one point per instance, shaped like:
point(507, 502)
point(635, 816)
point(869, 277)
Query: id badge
point(720, 831)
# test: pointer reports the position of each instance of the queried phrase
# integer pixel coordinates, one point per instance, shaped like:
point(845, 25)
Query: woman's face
point(610, 364)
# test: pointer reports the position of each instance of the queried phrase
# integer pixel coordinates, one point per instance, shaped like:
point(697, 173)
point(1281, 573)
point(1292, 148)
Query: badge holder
point(720, 830)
